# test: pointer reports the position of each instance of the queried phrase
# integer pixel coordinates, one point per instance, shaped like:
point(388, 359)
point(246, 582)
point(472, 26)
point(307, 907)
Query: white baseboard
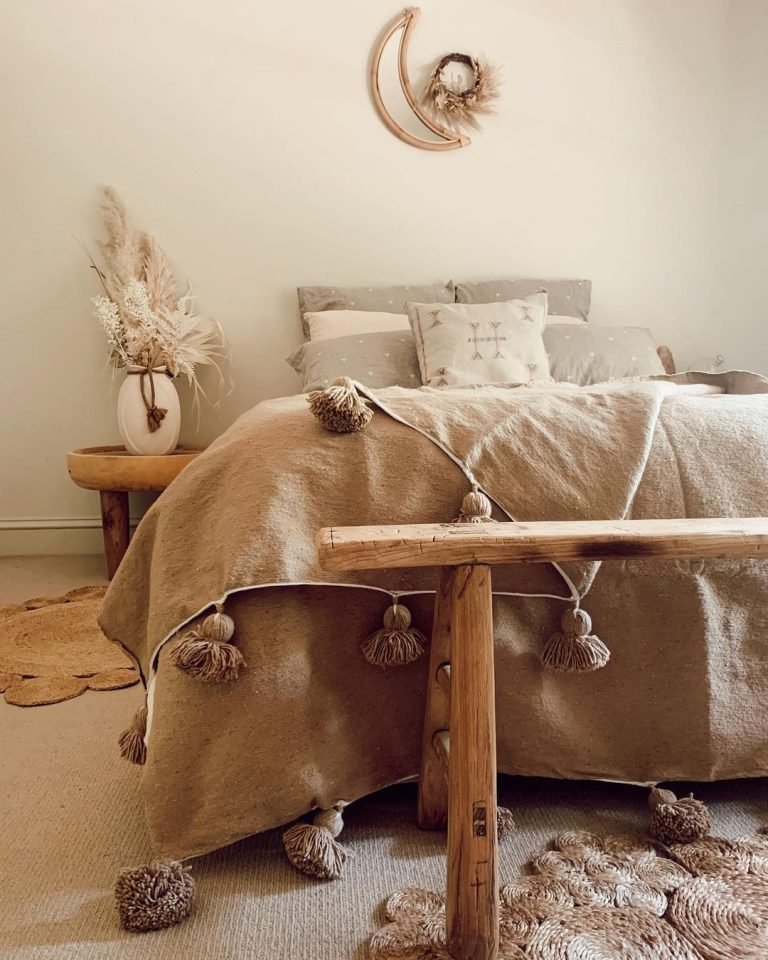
point(40, 536)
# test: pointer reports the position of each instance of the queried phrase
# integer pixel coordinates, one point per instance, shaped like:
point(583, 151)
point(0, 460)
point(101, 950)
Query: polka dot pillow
point(586, 353)
point(569, 298)
point(381, 299)
point(377, 360)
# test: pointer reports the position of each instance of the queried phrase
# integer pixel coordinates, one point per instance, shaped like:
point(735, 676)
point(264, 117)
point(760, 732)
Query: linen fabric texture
point(571, 298)
point(587, 353)
point(310, 721)
point(378, 360)
point(390, 299)
point(330, 324)
point(480, 343)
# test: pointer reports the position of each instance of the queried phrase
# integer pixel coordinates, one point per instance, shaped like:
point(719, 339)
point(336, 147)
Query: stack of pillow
point(506, 331)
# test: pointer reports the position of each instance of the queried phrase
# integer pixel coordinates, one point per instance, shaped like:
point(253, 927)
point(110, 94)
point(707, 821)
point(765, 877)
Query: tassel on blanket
point(397, 642)
point(132, 743)
point(475, 508)
point(505, 822)
point(575, 649)
point(340, 408)
point(313, 848)
point(208, 654)
point(154, 897)
point(677, 821)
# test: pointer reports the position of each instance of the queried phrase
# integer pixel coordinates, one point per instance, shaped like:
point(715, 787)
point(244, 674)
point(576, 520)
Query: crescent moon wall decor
point(449, 139)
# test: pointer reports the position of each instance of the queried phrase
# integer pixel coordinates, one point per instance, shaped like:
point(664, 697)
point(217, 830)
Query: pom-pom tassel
point(208, 654)
point(340, 408)
point(575, 649)
point(154, 897)
point(505, 822)
point(397, 643)
point(475, 508)
point(677, 821)
point(312, 847)
point(132, 741)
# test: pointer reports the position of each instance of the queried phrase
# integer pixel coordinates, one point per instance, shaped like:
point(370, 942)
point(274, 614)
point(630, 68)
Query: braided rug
point(600, 898)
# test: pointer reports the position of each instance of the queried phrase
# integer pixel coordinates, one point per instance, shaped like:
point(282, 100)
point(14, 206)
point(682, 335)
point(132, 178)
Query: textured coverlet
point(309, 721)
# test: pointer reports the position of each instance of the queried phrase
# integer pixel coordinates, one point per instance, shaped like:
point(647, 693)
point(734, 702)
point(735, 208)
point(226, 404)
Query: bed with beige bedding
point(309, 722)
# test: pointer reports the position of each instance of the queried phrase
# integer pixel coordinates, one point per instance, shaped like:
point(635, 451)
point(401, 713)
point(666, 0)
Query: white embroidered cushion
point(462, 343)
point(329, 324)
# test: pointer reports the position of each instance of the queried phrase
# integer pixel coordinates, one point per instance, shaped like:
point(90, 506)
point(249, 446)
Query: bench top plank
point(428, 545)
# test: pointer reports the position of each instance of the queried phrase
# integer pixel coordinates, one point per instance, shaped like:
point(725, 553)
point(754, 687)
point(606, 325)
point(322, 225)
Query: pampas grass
point(148, 320)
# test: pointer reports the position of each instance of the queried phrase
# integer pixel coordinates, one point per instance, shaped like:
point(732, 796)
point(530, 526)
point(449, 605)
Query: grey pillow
point(586, 353)
point(375, 359)
point(568, 298)
point(384, 299)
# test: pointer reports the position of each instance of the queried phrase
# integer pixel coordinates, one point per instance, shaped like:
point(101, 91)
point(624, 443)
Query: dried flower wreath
point(460, 107)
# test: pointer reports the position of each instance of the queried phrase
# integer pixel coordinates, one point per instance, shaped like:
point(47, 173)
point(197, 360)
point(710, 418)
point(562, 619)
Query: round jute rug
point(52, 650)
point(610, 898)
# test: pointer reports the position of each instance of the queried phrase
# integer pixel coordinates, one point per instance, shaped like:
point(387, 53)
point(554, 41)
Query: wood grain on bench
point(430, 545)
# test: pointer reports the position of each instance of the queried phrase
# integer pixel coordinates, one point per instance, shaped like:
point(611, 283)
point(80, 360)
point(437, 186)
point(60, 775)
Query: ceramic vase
point(141, 392)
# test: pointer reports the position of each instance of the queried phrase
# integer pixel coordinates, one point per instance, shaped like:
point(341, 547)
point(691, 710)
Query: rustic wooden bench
point(460, 724)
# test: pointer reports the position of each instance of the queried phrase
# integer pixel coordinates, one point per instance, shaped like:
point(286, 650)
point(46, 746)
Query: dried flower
point(146, 319)
point(460, 108)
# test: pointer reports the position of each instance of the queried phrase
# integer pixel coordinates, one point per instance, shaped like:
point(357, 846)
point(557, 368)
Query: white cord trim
point(575, 595)
point(394, 594)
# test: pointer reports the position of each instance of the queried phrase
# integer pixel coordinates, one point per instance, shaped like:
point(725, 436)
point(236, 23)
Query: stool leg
point(115, 526)
point(472, 908)
point(433, 780)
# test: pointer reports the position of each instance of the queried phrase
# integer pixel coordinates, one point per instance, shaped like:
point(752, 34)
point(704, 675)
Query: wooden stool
point(115, 473)
point(460, 694)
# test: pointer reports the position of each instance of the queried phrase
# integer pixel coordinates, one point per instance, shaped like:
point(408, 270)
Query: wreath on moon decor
point(445, 106)
point(456, 107)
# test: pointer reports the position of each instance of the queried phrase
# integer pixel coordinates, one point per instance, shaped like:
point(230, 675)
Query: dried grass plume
point(459, 108)
point(148, 319)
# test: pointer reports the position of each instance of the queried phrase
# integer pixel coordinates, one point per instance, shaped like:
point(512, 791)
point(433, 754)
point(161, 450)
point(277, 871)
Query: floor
point(71, 816)
point(25, 577)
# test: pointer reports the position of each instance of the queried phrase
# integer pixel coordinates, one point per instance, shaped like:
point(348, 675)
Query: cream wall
point(242, 135)
point(744, 194)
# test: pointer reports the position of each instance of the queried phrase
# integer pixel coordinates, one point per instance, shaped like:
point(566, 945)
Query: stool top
point(113, 468)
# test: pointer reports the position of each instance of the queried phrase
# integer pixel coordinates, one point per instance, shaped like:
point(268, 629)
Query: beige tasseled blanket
point(310, 722)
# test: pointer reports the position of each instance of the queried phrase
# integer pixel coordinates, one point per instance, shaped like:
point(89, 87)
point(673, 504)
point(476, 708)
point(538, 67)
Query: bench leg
point(433, 779)
point(472, 907)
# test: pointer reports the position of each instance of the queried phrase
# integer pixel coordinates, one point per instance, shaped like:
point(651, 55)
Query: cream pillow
point(329, 324)
point(462, 343)
point(554, 318)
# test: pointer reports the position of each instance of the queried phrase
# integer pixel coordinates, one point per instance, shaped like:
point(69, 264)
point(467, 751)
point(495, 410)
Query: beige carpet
point(71, 818)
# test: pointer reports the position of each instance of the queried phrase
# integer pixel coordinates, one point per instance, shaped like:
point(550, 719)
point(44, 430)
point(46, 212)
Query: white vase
point(140, 388)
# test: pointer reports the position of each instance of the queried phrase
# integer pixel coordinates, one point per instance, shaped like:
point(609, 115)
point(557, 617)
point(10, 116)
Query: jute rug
point(52, 650)
point(600, 898)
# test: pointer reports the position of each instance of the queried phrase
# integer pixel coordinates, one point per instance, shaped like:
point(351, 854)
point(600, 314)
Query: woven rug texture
point(72, 817)
point(53, 649)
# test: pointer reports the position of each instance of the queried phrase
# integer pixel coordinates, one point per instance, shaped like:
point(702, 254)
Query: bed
point(309, 723)
point(276, 689)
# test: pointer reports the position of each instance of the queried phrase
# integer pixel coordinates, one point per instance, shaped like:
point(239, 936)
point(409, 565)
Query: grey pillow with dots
point(378, 299)
point(567, 298)
point(587, 353)
point(375, 359)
